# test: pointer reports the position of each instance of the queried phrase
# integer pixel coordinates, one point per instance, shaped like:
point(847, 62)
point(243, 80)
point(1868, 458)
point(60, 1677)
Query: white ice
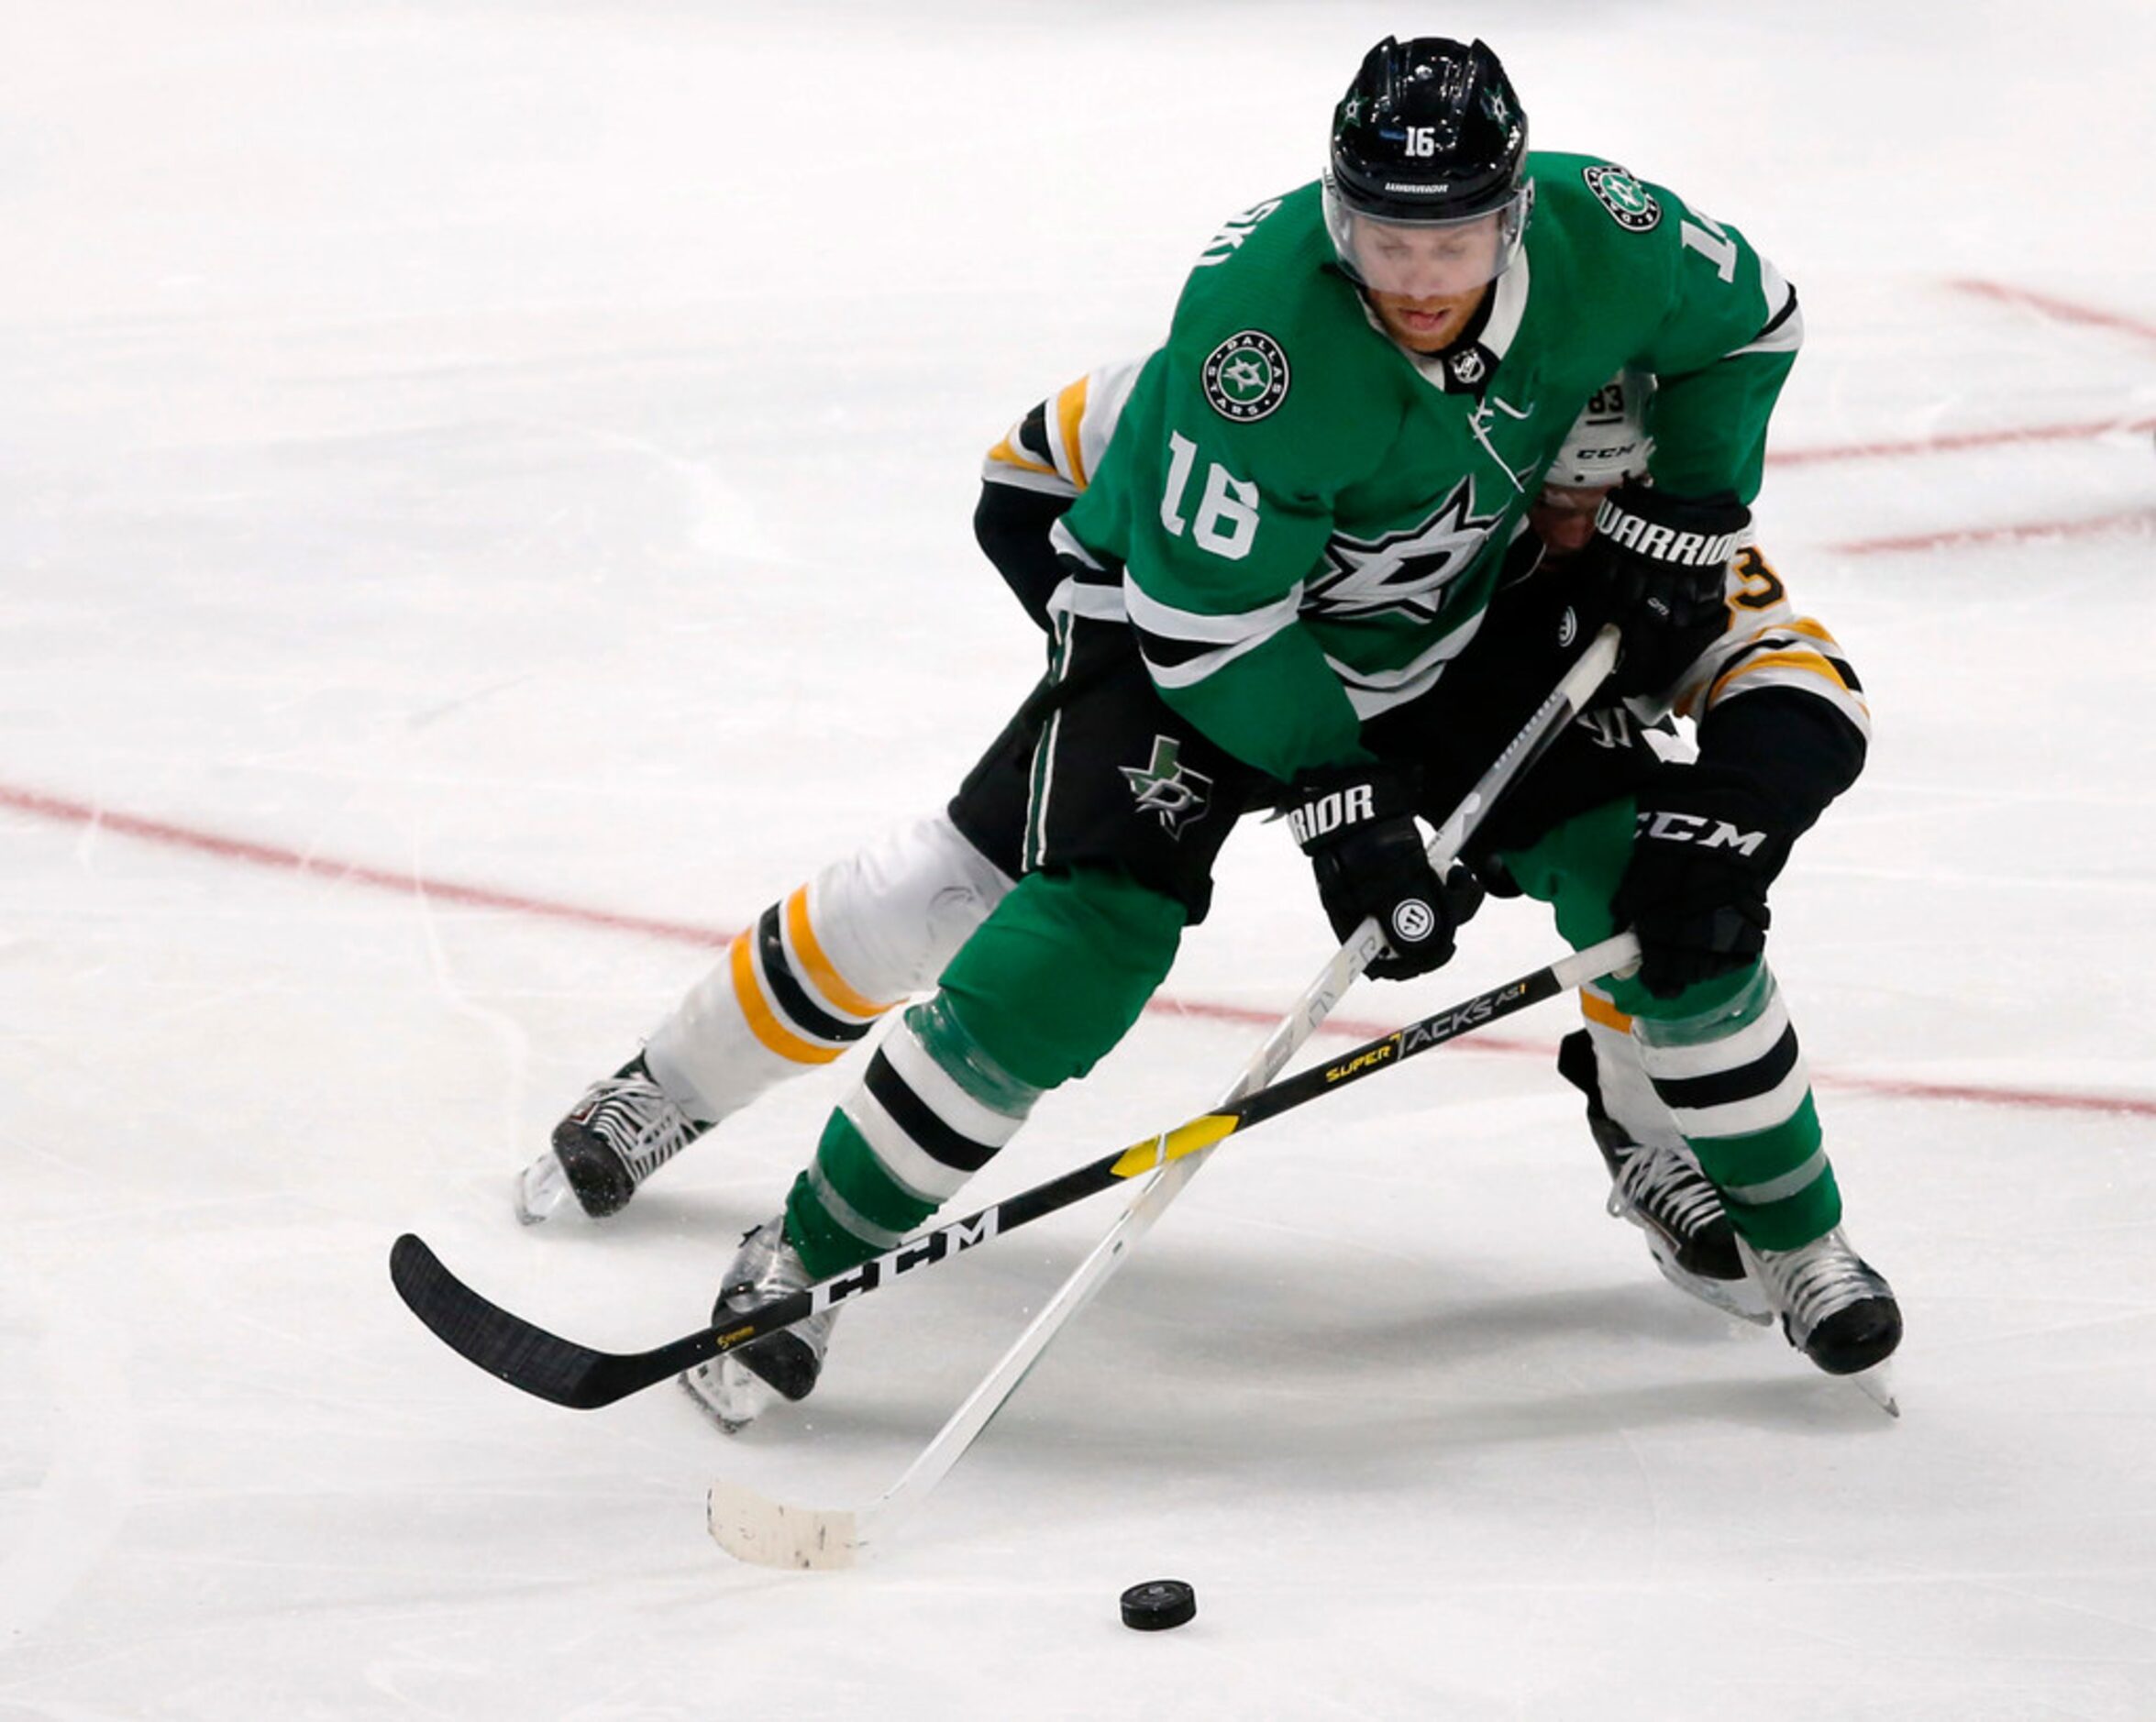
point(531, 446)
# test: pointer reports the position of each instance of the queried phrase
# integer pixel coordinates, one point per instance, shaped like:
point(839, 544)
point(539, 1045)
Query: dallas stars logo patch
point(1404, 571)
point(1245, 377)
point(1165, 787)
point(1629, 203)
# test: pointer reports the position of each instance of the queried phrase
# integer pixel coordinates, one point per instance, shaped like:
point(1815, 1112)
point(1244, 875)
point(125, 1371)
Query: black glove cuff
point(1334, 800)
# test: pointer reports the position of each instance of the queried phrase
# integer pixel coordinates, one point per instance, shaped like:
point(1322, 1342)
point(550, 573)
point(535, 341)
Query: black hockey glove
point(1357, 825)
point(1663, 560)
point(1706, 846)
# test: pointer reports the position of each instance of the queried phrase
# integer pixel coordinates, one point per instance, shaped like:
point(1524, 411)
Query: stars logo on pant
point(1165, 787)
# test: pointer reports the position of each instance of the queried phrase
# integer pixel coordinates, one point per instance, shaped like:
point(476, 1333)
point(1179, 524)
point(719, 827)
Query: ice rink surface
point(484, 509)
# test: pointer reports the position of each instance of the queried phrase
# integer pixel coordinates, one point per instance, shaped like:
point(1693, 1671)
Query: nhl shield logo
point(1245, 377)
point(1629, 203)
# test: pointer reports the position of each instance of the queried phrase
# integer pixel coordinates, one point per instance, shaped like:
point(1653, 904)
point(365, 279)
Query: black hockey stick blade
point(545, 1364)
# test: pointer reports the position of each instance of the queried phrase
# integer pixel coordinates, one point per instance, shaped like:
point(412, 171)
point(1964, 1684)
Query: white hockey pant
point(812, 976)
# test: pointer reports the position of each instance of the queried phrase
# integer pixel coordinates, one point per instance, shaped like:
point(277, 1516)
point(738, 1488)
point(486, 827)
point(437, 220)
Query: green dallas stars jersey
point(1308, 521)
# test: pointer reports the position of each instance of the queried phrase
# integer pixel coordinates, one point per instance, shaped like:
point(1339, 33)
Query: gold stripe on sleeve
point(1005, 453)
point(1070, 413)
point(1810, 662)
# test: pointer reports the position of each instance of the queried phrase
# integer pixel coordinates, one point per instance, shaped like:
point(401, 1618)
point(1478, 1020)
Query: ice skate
point(1664, 1194)
point(622, 1131)
point(1835, 1308)
point(737, 1387)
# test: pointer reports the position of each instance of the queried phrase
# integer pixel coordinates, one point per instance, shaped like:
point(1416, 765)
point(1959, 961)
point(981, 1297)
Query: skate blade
point(1876, 1383)
point(542, 1189)
point(731, 1395)
point(1738, 1297)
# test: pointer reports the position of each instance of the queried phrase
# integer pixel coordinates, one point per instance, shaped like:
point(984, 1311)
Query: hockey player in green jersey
point(879, 923)
point(1281, 584)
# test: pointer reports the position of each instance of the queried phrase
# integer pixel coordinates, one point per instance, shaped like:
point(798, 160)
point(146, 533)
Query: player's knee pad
point(1058, 975)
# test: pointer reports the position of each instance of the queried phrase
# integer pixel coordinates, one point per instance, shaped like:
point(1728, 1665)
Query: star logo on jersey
point(1629, 203)
point(1245, 377)
point(1165, 787)
point(1404, 572)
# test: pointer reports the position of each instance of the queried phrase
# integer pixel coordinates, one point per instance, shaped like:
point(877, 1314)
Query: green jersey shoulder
point(1307, 520)
point(1631, 269)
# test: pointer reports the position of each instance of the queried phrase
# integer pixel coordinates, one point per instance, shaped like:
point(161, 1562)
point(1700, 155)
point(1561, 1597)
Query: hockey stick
point(564, 1372)
point(757, 1530)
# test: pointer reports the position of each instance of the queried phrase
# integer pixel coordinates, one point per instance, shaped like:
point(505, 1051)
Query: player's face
point(1563, 518)
point(1428, 262)
point(1427, 282)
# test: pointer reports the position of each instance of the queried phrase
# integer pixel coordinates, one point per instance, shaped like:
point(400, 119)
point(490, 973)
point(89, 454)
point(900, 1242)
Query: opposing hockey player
point(1282, 583)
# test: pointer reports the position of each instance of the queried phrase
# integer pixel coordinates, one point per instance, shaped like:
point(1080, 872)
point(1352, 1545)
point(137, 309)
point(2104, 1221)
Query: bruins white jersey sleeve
point(1057, 447)
point(1769, 644)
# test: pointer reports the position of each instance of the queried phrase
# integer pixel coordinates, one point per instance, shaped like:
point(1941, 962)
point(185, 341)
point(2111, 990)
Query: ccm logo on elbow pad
point(1693, 828)
point(1331, 812)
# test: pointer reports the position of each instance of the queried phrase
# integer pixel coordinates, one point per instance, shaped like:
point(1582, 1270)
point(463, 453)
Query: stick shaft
point(965, 1424)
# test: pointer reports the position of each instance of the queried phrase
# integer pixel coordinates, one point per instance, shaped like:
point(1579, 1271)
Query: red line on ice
point(1949, 442)
point(2064, 310)
point(248, 851)
point(264, 855)
point(1953, 442)
point(2001, 535)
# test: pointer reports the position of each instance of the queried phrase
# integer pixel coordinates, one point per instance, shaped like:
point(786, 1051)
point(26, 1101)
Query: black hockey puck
point(1157, 1604)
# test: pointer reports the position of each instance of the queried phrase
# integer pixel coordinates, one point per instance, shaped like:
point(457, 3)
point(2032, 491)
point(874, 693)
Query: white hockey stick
point(771, 1533)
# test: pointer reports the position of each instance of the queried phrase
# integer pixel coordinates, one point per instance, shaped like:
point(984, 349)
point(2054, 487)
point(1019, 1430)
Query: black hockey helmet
point(1430, 134)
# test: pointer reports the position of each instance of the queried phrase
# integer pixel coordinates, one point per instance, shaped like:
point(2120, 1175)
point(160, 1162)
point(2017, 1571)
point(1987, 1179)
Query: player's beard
point(1429, 324)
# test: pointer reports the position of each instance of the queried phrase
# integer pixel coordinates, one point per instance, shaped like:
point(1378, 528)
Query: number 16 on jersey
point(1227, 510)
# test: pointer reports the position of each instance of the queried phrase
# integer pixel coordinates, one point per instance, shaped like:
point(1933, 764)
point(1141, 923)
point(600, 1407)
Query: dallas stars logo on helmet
point(1245, 377)
point(1632, 204)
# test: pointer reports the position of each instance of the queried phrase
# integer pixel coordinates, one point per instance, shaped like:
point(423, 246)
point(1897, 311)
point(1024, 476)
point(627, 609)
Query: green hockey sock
point(1052, 979)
